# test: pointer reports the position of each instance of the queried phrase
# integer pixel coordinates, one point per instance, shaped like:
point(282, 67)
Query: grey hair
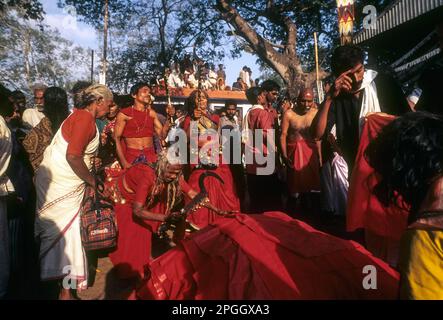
point(91, 94)
point(39, 86)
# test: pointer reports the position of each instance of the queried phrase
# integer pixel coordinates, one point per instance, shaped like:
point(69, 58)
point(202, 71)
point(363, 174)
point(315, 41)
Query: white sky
point(85, 36)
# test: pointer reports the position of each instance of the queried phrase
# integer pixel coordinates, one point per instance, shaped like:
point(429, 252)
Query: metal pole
point(105, 43)
point(92, 66)
point(317, 72)
point(316, 55)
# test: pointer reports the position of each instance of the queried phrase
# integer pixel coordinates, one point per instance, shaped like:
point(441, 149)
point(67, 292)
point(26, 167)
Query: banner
point(346, 19)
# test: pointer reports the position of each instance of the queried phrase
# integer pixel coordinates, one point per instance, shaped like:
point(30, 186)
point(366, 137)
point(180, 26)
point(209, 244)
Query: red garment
point(134, 238)
point(140, 126)
point(268, 256)
point(265, 120)
point(132, 154)
point(78, 130)
point(304, 175)
point(186, 123)
point(364, 210)
point(223, 196)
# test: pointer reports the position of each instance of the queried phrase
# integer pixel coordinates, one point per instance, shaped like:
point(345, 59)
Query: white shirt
point(31, 118)
point(245, 76)
point(174, 80)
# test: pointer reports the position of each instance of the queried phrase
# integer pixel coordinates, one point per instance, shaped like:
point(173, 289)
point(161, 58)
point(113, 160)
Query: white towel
point(370, 100)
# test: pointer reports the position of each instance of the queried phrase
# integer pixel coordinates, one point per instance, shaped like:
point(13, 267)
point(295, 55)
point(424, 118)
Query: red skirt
point(223, 196)
point(304, 175)
point(268, 256)
point(364, 210)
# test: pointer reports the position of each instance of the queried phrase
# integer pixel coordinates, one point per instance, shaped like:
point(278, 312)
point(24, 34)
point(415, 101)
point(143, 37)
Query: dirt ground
point(107, 286)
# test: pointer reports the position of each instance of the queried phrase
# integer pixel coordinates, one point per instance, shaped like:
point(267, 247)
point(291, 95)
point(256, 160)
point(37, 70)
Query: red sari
point(134, 238)
point(267, 256)
point(223, 196)
point(384, 226)
point(304, 174)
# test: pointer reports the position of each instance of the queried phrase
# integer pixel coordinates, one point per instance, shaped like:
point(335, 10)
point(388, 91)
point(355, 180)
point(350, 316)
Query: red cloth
point(187, 121)
point(132, 154)
point(364, 210)
point(264, 119)
point(304, 175)
point(268, 256)
point(222, 196)
point(140, 126)
point(78, 130)
point(134, 238)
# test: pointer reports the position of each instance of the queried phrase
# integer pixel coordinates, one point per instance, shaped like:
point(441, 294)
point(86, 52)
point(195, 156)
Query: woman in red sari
point(222, 195)
point(134, 128)
point(145, 195)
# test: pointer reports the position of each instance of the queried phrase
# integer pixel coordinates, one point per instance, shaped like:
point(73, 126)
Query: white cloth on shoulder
point(370, 101)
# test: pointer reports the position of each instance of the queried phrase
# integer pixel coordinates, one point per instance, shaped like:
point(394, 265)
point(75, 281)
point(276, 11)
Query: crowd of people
point(187, 73)
point(363, 154)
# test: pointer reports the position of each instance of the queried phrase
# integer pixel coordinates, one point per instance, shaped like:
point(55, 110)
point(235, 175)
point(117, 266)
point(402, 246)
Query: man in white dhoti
point(60, 183)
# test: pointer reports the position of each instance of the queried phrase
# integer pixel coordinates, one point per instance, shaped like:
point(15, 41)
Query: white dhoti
point(57, 226)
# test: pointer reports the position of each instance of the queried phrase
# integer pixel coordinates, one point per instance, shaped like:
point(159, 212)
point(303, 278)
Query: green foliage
point(29, 9)
point(31, 52)
point(146, 36)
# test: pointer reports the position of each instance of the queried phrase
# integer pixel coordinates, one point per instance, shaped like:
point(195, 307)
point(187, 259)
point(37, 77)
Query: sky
point(85, 36)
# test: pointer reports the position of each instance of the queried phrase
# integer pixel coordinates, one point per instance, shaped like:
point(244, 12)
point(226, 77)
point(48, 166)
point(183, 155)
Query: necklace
point(139, 128)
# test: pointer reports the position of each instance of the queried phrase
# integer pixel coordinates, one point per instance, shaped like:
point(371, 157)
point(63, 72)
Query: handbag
point(98, 226)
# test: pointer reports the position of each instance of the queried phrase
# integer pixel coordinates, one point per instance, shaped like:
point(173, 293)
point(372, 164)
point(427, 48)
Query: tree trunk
point(286, 63)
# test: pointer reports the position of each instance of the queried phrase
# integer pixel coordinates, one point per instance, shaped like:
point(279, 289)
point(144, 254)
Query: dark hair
point(136, 87)
point(180, 107)
point(123, 101)
point(190, 102)
point(253, 93)
point(228, 103)
point(17, 94)
point(6, 106)
point(79, 86)
point(346, 57)
point(270, 85)
point(408, 154)
point(55, 107)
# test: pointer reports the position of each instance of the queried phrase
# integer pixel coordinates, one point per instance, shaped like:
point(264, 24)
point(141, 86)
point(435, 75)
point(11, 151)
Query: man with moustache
point(355, 93)
point(32, 116)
